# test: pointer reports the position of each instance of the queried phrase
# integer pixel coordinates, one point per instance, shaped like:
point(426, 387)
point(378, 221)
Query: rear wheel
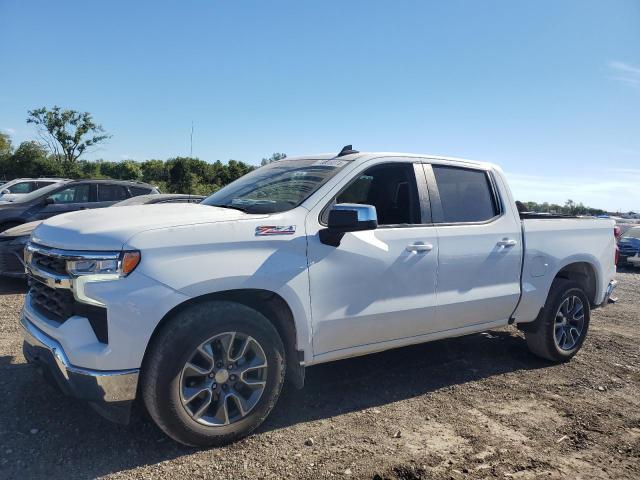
point(213, 374)
point(561, 328)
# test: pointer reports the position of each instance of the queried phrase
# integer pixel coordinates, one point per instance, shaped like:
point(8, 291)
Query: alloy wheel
point(569, 323)
point(223, 379)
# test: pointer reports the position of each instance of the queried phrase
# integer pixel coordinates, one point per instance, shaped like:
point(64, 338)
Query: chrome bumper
point(110, 392)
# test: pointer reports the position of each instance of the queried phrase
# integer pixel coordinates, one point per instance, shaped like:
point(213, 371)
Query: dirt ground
point(472, 407)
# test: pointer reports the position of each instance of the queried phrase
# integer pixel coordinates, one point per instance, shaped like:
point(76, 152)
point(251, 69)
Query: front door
point(480, 248)
point(378, 285)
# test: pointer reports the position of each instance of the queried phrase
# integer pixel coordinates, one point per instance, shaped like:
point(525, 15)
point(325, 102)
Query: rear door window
point(466, 194)
point(75, 194)
point(111, 193)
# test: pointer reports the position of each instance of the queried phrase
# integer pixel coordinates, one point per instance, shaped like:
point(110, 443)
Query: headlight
point(122, 265)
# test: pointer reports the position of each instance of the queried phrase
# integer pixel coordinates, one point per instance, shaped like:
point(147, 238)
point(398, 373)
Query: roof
point(28, 179)
point(156, 198)
point(371, 155)
point(113, 180)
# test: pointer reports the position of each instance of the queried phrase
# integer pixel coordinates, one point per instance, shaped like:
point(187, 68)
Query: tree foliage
point(67, 133)
point(175, 175)
point(5, 145)
point(569, 208)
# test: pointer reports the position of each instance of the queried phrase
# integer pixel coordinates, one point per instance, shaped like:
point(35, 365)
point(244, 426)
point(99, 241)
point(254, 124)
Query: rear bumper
point(111, 392)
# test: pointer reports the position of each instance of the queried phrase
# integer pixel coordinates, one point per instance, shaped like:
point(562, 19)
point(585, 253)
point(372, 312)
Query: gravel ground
point(472, 407)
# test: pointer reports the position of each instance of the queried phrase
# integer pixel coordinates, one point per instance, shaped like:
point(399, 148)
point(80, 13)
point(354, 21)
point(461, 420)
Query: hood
point(110, 228)
point(21, 230)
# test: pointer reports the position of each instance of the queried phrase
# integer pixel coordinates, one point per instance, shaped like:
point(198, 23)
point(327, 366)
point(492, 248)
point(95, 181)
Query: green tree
point(128, 170)
point(30, 160)
point(569, 206)
point(154, 171)
point(5, 145)
point(67, 133)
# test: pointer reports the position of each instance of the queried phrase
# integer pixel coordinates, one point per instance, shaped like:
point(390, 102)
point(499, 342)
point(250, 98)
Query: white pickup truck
point(203, 310)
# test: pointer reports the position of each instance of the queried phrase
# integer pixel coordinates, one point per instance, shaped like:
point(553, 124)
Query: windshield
point(632, 233)
point(37, 193)
point(276, 187)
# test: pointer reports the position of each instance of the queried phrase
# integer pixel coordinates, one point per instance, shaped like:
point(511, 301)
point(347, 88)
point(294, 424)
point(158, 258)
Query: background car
point(19, 187)
point(69, 196)
point(629, 245)
point(13, 240)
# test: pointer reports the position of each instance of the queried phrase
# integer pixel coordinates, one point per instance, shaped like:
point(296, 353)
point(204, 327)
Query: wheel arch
point(269, 304)
point(585, 274)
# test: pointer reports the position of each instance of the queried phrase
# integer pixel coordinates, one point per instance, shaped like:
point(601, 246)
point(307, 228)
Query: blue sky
point(550, 90)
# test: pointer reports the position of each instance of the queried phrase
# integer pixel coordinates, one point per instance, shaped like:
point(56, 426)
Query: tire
point(541, 335)
point(167, 383)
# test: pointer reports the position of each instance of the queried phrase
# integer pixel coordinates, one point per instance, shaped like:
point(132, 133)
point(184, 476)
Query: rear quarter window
point(135, 191)
point(111, 193)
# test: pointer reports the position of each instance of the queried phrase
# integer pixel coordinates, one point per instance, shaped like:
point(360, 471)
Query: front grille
point(59, 304)
point(55, 265)
point(54, 303)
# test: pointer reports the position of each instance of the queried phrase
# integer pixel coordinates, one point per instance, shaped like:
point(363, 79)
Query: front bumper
point(110, 392)
point(11, 263)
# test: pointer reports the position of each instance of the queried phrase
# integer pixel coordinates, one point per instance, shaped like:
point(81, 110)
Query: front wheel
point(560, 330)
point(213, 374)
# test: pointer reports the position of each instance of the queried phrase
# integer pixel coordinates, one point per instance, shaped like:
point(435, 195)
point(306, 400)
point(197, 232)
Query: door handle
point(419, 247)
point(507, 242)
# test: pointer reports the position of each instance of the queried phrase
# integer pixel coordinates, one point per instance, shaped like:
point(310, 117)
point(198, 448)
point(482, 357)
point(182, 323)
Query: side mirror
point(5, 191)
point(348, 217)
point(49, 201)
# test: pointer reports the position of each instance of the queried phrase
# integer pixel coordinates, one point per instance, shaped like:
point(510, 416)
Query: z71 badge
point(268, 230)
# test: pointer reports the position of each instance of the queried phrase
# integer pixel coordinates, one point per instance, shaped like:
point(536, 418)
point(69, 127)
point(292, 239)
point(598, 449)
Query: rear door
point(480, 249)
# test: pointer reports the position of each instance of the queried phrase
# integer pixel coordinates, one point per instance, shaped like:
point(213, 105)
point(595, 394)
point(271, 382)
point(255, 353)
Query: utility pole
point(191, 149)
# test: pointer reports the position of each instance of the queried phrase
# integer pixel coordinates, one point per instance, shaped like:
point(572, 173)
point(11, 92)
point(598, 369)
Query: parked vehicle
point(68, 196)
point(629, 246)
point(13, 240)
point(205, 309)
point(19, 187)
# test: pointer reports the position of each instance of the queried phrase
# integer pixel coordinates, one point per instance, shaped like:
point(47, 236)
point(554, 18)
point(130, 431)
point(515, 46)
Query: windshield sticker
point(330, 163)
point(268, 230)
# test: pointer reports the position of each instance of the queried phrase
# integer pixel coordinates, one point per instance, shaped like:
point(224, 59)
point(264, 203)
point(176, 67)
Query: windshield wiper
point(232, 207)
